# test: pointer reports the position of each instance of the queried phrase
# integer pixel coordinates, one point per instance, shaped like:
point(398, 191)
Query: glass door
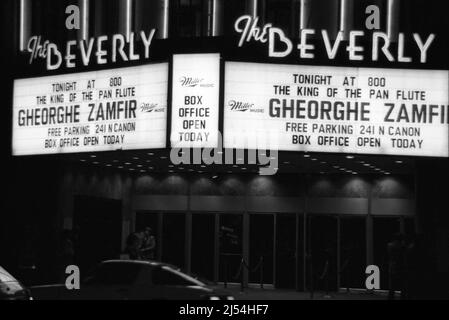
point(230, 247)
point(384, 232)
point(261, 246)
point(203, 245)
point(322, 253)
point(173, 243)
point(352, 252)
point(285, 251)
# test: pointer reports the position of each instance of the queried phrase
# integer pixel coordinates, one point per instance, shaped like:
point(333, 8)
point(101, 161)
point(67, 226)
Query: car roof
point(6, 276)
point(141, 262)
point(154, 264)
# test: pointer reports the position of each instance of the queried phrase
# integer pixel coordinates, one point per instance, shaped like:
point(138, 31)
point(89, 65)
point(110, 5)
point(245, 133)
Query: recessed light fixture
point(243, 168)
point(307, 156)
point(323, 162)
point(139, 166)
point(387, 173)
point(286, 162)
point(82, 160)
point(163, 157)
point(115, 161)
point(171, 171)
point(399, 161)
point(354, 172)
point(214, 177)
point(93, 156)
point(150, 153)
point(131, 169)
point(148, 161)
point(95, 162)
point(109, 165)
point(349, 157)
point(171, 166)
point(135, 158)
point(235, 166)
point(128, 163)
point(336, 167)
point(120, 167)
point(367, 165)
point(314, 159)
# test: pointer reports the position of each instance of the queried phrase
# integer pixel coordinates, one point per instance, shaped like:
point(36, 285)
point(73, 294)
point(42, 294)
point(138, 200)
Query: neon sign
point(280, 45)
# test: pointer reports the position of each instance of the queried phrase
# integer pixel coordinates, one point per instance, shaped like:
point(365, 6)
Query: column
point(25, 23)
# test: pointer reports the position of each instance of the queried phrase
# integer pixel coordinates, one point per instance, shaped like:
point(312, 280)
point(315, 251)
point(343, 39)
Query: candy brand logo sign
point(103, 49)
point(280, 46)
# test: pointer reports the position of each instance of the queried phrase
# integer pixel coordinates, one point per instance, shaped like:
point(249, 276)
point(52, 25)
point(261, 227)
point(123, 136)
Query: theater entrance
point(313, 252)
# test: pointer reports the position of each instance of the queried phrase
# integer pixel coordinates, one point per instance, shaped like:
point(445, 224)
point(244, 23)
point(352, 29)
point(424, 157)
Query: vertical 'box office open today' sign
point(195, 100)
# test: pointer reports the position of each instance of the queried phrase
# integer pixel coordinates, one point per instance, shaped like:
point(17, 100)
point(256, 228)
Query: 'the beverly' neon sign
point(249, 30)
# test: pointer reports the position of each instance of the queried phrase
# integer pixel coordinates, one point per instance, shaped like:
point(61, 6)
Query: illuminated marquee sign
point(195, 102)
point(280, 46)
point(336, 109)
point(103, 49)
point(93, 111)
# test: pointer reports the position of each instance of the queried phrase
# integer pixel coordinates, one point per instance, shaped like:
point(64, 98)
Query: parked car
point(11, 288)
point(134, 280)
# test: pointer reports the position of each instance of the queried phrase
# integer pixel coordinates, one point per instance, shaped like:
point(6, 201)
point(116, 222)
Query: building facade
point(331, 207)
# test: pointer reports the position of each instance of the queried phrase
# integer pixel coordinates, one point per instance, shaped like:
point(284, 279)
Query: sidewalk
point(285, 294)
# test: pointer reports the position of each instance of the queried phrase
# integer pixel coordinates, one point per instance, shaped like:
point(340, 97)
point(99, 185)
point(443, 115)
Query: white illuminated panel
point(93, 111)
point(195, 102)
point(336, 109)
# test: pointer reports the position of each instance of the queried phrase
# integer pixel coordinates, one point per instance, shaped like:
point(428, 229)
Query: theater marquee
point(93, 111)
point(336, 109)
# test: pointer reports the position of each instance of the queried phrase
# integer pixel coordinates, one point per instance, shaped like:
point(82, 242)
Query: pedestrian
point(133, 246)
point(148, 244)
